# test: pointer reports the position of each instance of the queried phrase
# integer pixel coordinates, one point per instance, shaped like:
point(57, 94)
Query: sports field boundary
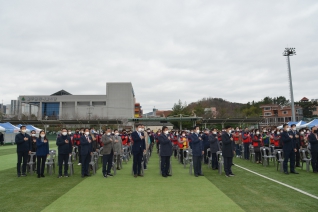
point(276, 181)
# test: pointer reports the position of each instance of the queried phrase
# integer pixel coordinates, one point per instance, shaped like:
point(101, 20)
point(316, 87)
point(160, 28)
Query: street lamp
point(290, 52)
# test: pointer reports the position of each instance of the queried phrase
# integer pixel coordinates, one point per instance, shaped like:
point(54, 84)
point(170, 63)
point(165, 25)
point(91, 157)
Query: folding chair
point(71, 164)
point(50, 164)
point(242, 151)
point(252, 154)
point(279, 158)
point(305, 157)
point(220, 161)
point(92, 164)
point(209, 158)
point(31, 163)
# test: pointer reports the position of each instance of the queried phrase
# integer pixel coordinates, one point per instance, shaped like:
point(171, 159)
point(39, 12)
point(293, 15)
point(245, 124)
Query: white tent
point(2, 129)
point(310, 124)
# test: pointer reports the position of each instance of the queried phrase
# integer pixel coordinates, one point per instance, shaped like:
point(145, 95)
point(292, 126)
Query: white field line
point(288, 186)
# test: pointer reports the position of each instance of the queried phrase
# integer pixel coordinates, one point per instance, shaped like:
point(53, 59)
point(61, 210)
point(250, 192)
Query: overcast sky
point(168, 49)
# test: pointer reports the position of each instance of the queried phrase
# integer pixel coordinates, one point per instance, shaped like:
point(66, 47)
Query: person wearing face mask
point(24, 147)
point(302, 138)
point(236, 138)
point(313, 140)
point(157, 140)
point(124, 138)
point(64, 150)
point(289, 149)
point(276, 140)
point(76, 139)
point(297, 143)
point(138, 149)
point(86, 152)
point(183, 144)
point(228, 151)
point(165, 151)
point(70, 134)
point(118, 147)
point(42, 152)
point(108, 152)
point(174, 139)
point(265, 138)
point(197, 151)
point(147, 143)
point(152, 140)
point(257, 143)
point(206, 145)
point(246, 142)
point(214, 148)
point(33, 148)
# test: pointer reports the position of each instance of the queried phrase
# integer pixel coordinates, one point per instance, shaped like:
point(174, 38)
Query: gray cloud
point(169, 50)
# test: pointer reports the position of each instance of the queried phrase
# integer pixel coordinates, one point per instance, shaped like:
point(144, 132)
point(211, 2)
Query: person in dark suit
point(165, 151)
point(108, 152)
point(228, 151)
point(42, 151)
point(206, 145)
point(64, 150)
point(86, 152)
point(312, 139)
point(296, 140)
point(289, 149)
point(214, 147)
point(138, 149)
point(197, 151)
point(24, 148)
point(1, 139)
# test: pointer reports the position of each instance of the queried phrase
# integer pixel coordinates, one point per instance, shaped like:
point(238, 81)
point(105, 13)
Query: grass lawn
point(181, 192)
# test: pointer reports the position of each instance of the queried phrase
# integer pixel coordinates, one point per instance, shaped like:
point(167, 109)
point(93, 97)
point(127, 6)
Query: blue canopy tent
point(289, 123)
point(10, 132)
point(310, 124)
point(30, 128)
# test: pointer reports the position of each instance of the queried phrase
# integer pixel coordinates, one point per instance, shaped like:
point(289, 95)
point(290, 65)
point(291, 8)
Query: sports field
point(181, 192)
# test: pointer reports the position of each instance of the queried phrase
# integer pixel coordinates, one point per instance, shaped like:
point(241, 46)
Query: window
point(50, 110)
point(285, 112)
point(267, 114)
point(267, 108)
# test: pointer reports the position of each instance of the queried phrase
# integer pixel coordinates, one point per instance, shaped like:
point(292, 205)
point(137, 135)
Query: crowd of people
point(204, 146)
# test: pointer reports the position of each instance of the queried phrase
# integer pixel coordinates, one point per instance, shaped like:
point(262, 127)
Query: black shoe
point(42, 175)
point(196, 175)
point(135, 176)
point(164, 175)
point(60, 176)
point(168, 175)
point(227, 175)
point(201, 174)
point(19, 175)
point(214, 168)
point(87, 175)
point(294, 172)
point(83, 176)
point(232, 175)
point(140, 175)
point(23, 175)
point(286, 173)
point(110, 175)
point(39, 176)
point(66, 175)
point(105, 175)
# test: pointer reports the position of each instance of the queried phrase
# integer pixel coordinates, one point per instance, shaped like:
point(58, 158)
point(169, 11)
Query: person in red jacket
point(174, 139)
point(124, 138)
point(257, 143)
point(76, 140)
point(236, 137)
point(246, 142)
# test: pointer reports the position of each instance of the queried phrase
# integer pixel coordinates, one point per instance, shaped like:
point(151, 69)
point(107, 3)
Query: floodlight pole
point(290, 52)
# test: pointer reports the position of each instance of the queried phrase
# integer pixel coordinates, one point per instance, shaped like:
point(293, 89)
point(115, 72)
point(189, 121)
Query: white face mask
point(272, 132)
point(116, 134)
point(64, 133)
point(139, 129)
point(166, 132)
point(301, 133)
point(294, 128)
point(287, 129)
point(82, 132)
point(23, 131)
point(42, 135)
point(69, 133)
point(230, 131)
point(214, 133)
point(183, 134)
point(278, 133)
point(257, 133)
point(108, 133)
point(142, 129)
point(33, 135)
point(198, 131)
point(86, 133)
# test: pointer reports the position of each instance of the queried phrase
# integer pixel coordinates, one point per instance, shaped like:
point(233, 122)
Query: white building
point(118, 103)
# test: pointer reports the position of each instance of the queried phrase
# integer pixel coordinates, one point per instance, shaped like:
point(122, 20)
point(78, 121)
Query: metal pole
point(291, 90)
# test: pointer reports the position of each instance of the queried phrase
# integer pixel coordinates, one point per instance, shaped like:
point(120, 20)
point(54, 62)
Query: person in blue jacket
point(86, 152)
point(165, 151)
point(42, 150)
point(138, 149)
point(24, 146)
point(197, 151)
point(289, 149)
point(64, 150)
point(206, 145)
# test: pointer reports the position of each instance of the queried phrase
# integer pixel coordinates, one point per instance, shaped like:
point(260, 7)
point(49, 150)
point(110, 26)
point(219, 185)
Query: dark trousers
point(291, 156)
point(258, 156)
point(246, 151)
point(85, 163)
point(206, 155)
point(157, 145)
point(165, 165)
point(22, 158)
point(181, 155)
point(237, 149)
point(297, 154)
point(40, 164)
point(79, 155)
point(197, 165)
point(215, 164)
point(34, 160)
point(228, 161)
point(1, 143)
point(314, 161)
point(144, 159)
point(63, 158)
point(137, 162)
point(107, 160)
point(175, 150)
